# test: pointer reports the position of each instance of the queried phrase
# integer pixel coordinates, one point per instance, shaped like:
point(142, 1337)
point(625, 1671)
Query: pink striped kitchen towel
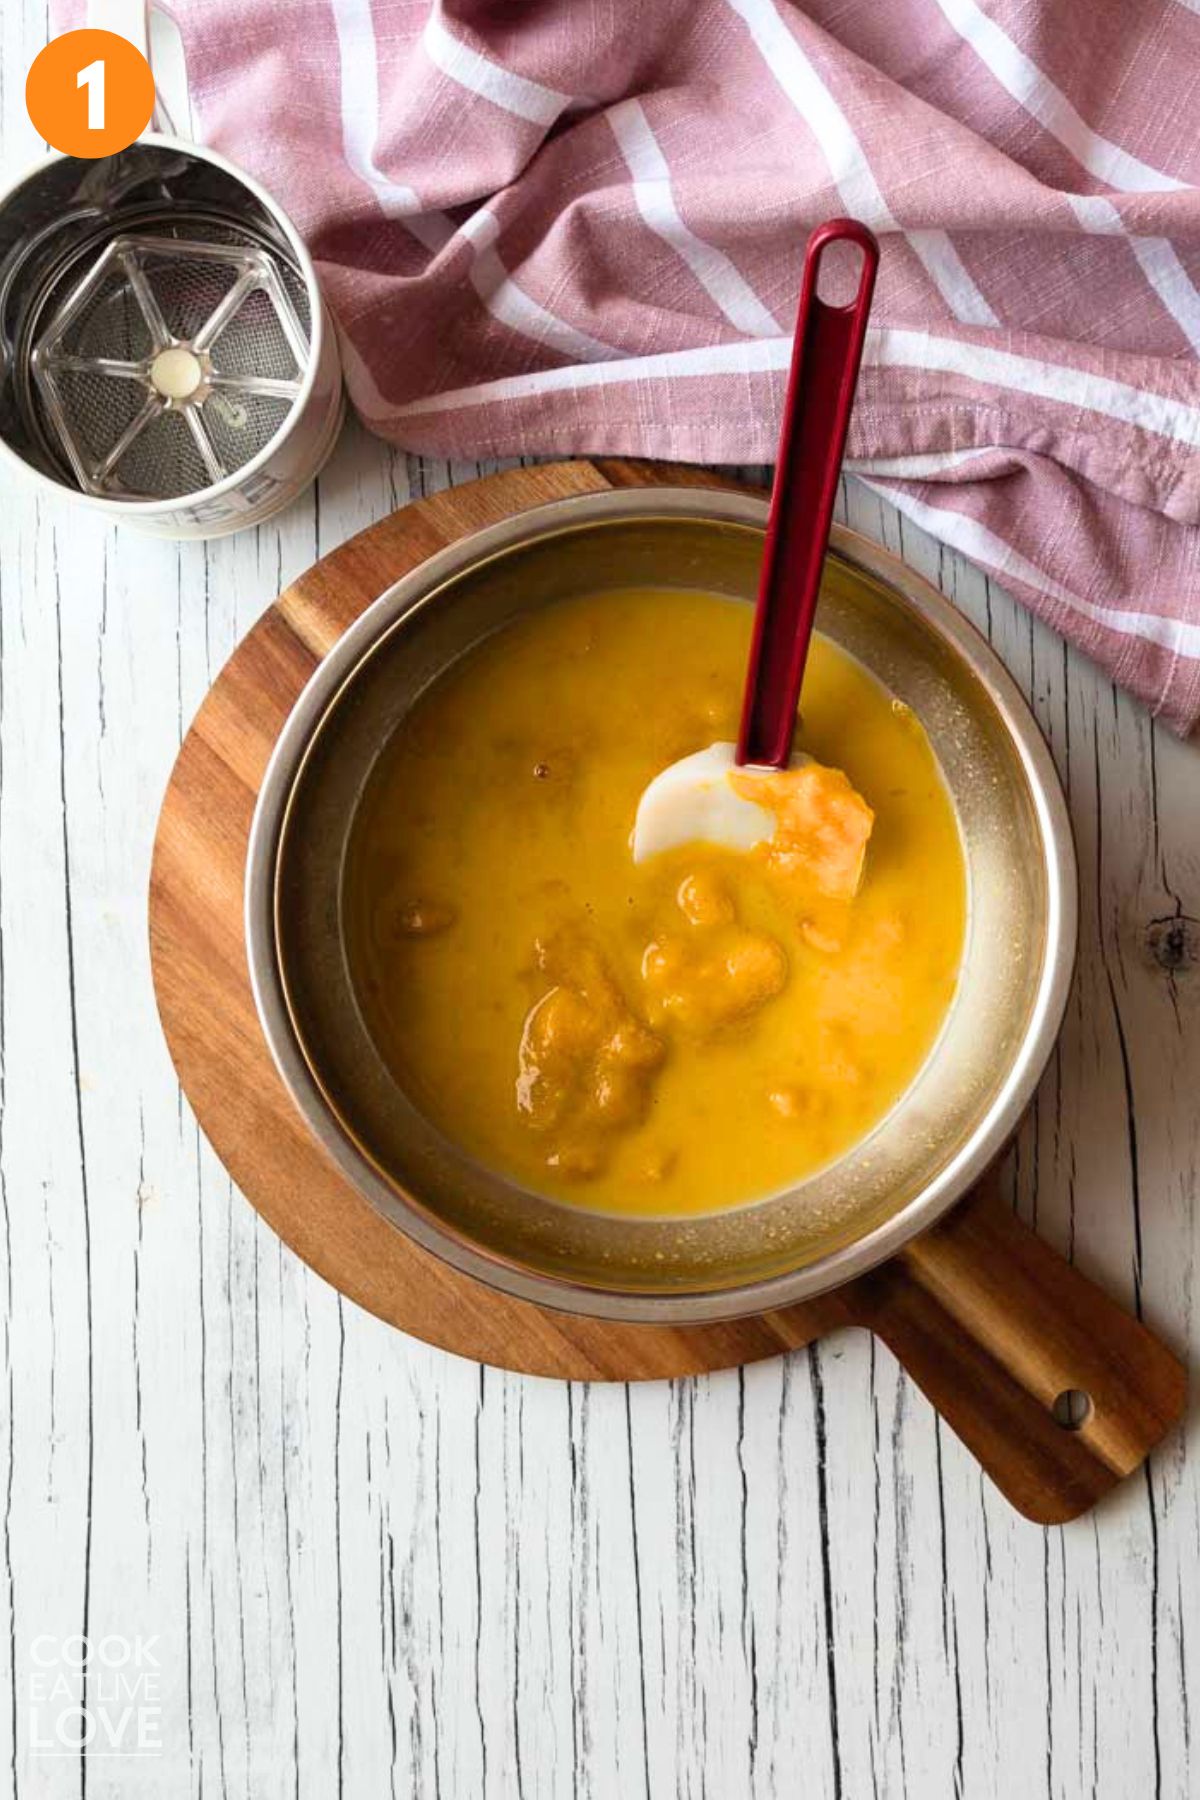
point(577, 225)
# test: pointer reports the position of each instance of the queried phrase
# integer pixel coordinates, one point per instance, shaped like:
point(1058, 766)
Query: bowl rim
point(885, 1239)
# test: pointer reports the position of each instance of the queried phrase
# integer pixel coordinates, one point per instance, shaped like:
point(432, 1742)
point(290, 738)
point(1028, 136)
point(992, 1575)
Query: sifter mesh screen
point(110, 325)
point(253, 343)
point(165, 442)
point(103, 409)
point(187, 290)
point(134, 425)
point(234, 419)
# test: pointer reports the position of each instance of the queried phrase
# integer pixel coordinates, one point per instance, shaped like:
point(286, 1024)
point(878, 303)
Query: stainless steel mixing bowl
point(936, 1142)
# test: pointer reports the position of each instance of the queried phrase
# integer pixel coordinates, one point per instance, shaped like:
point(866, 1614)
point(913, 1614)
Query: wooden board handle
point(1002, 1333)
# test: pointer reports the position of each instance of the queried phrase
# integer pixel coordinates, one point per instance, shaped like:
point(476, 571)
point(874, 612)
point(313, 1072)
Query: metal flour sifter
point(165, 353)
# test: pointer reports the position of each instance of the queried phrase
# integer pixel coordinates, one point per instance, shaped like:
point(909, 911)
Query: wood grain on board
point(990, 1321)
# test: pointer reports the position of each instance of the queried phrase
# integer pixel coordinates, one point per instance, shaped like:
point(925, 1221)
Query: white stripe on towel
point(509, 303)
point(964, 533)
point(1020, 76)
point(1141, 407)
point(860, 192)
point(1156, 258)
point(717, 275)
point(515, 94)
point(749, 356)
point(502, 296)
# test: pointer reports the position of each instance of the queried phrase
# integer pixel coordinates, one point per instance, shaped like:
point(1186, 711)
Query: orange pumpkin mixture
point(689, 1033)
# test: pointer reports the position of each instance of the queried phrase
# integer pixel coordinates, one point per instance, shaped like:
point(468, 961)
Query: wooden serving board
point(991, 1323)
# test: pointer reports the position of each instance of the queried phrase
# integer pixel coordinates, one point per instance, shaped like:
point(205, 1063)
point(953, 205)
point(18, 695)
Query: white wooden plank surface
point(372, 1569)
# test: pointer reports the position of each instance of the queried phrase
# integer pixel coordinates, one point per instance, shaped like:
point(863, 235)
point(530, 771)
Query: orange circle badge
point(89, 93)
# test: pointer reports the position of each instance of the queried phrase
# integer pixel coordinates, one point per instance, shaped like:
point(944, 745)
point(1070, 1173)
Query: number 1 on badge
point(92, 78)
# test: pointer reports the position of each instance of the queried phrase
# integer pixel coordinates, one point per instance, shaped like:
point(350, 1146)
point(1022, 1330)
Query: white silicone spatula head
point(692, 801)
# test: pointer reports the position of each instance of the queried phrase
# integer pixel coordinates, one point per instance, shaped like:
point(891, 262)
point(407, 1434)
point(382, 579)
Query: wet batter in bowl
point(687, 1034)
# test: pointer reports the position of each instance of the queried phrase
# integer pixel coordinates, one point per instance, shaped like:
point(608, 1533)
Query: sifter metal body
point(165, 354)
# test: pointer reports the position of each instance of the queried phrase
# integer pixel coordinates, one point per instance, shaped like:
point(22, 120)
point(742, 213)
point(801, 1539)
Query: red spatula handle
point(824, 373)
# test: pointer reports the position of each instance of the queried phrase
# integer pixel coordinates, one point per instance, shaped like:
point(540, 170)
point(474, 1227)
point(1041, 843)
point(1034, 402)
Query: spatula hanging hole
point(839, 273)
point(1072, 1409)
